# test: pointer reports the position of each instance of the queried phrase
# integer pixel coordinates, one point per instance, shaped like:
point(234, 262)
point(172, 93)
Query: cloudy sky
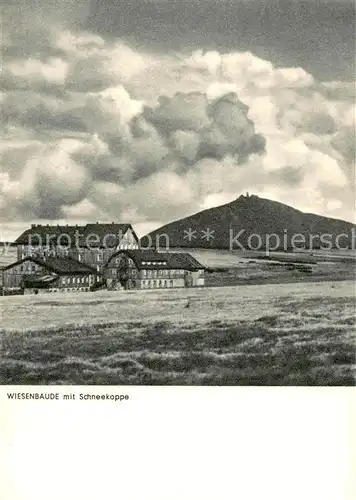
point(146, 111)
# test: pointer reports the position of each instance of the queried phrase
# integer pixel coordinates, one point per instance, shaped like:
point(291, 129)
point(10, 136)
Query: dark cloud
point(345, 143)
point(318, 35)
point(320, 124)
point(206, 129)
point(41, 112)
point(291, 176)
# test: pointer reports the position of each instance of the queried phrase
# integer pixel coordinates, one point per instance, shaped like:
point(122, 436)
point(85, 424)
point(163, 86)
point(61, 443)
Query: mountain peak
point(255, 217)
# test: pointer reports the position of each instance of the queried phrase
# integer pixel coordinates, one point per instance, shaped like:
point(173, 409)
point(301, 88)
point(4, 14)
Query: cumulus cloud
point(95, 129)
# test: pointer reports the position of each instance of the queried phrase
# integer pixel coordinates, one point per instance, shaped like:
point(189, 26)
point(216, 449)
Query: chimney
point(33, 226)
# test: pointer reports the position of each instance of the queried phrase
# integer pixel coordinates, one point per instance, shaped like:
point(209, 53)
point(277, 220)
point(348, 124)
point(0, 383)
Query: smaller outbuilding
point(55, 274)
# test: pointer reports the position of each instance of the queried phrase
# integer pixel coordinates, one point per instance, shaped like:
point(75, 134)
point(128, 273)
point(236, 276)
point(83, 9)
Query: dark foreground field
point(296, 334)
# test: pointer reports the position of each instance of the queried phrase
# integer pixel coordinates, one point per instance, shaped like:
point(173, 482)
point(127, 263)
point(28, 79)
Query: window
point(83, 279)
point(165, 284)
point(149, 284)
point(99, 257)
point(78, 280)
point(160, 283)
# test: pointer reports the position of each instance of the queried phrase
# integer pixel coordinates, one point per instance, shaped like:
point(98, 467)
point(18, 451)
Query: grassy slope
point(266, 335)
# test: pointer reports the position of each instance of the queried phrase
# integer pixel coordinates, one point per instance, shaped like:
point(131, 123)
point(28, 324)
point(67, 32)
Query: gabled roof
point(57, 265)
point(39, 234)
point(91, 235)
point(65, 265)
point(30, 258)
point(186, 259)
point(151, 259)
point(39, 281)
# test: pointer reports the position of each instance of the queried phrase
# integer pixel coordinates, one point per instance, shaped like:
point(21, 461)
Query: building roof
point(39, 281)
point(65, 265)
point(91, 235)
point(151, 259)
point(57, 265)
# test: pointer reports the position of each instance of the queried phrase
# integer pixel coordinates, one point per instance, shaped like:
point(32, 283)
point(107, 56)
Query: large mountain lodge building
point(143, 269)
point(82, 258)
point(92, 244)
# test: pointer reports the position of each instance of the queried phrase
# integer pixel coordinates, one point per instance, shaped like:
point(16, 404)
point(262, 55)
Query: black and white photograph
point(177, 193)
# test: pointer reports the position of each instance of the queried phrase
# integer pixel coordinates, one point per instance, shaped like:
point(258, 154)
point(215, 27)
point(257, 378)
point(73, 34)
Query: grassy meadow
point(290, 334)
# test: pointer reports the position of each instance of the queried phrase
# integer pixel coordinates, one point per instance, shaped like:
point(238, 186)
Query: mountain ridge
point(258, 219)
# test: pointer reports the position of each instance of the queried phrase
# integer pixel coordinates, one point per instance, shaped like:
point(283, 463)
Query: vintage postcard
point(178, 193)
point(177, 196)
